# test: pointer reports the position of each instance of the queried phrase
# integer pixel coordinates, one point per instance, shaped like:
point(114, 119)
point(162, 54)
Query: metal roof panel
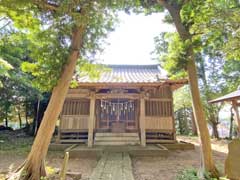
point(127, 74)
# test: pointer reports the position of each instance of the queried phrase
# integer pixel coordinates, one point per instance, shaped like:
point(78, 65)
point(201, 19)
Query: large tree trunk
point(34, 167)
point(206, 151)
point(203, 132)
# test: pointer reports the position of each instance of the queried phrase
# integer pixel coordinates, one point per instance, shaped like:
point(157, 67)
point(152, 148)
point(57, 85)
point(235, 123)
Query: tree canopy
point(4, 68)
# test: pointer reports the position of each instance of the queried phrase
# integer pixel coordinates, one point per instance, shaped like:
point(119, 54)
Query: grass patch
point(11, 143)
point(192, 174)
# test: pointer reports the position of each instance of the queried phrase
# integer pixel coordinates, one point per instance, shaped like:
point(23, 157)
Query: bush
point(191, 174)
point(188, 174)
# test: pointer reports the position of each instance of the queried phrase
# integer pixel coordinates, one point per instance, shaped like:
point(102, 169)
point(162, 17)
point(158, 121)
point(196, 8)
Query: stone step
point(116, 134)
point(113, 166)
point(116, 138)
point(116, 143)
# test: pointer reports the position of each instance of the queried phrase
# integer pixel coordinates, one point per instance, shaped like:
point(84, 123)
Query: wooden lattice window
point(76, 107)
point(162, 92)
point(158, 108)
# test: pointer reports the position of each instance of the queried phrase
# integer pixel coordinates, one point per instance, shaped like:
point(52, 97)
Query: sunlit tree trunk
point(206, 151)
point(34, 166)
point(203, 132)
point(194, 127)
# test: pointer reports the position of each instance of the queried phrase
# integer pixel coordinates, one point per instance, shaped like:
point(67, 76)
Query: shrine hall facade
point(127, 104)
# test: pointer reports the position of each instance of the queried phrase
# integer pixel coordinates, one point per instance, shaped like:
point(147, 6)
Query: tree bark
point(206, 151)
point(194, 127)
point(36, 118)
point(34, 167)
point(203, 132)
point(215, 130)
point(19, 118)
point(6, 118)
point(213, 121)
point(26, 115)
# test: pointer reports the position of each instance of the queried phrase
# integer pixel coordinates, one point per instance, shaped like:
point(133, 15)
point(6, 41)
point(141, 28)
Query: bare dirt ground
point(167, 168)
point(54, 162)
point(14, 151)
point(15, 147)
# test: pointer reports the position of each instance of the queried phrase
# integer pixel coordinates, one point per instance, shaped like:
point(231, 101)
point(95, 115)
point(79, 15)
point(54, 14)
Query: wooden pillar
point(142, 120)
point(172, 113)
point(91, 119)
point(237, 116)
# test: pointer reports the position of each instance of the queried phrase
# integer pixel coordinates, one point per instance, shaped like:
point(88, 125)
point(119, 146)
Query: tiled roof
point(228, 97)
point(127, 74)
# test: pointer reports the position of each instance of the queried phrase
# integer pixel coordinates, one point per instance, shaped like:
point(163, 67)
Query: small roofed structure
point(126, 104)
point(233, 98)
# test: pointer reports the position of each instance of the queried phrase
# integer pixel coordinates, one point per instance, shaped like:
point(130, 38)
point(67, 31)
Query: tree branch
point(174, 10)
point(3, 18)
point(6, 24)
point(47, 5)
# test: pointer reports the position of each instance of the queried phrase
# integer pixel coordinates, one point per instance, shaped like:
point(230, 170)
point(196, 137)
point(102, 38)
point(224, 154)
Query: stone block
point(232, 163)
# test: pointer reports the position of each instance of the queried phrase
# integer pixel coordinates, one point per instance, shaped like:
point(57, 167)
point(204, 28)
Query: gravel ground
point(54, 162)
point(144, 168)
point(167, 168)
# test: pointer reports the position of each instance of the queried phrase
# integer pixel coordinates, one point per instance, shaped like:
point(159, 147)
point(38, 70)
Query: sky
point(132, 41)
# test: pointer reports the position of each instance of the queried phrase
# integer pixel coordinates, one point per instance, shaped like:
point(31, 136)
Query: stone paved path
point(113, 166)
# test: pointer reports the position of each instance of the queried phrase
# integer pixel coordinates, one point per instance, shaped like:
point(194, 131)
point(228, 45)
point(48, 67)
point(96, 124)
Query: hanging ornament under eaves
point(117, 107)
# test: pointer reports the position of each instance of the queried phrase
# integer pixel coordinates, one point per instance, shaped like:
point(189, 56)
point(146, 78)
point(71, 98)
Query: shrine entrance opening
point(117, 115)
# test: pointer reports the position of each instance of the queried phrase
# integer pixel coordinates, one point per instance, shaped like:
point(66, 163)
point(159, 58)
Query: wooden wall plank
point(158, 123)
point(74, 122)
point(76, 107)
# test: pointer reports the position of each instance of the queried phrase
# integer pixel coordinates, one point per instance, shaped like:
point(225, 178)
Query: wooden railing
point(74, 122)
point(158, 123)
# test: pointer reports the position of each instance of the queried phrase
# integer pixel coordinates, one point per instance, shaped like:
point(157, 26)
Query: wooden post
point(64, 166)
point(237, 116)
point(172, 113)
point(91, 119)
point(142, 120)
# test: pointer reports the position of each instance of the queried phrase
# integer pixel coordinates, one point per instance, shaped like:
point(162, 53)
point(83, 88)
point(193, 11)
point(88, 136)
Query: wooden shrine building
point(234, 99)
point(128, 104)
